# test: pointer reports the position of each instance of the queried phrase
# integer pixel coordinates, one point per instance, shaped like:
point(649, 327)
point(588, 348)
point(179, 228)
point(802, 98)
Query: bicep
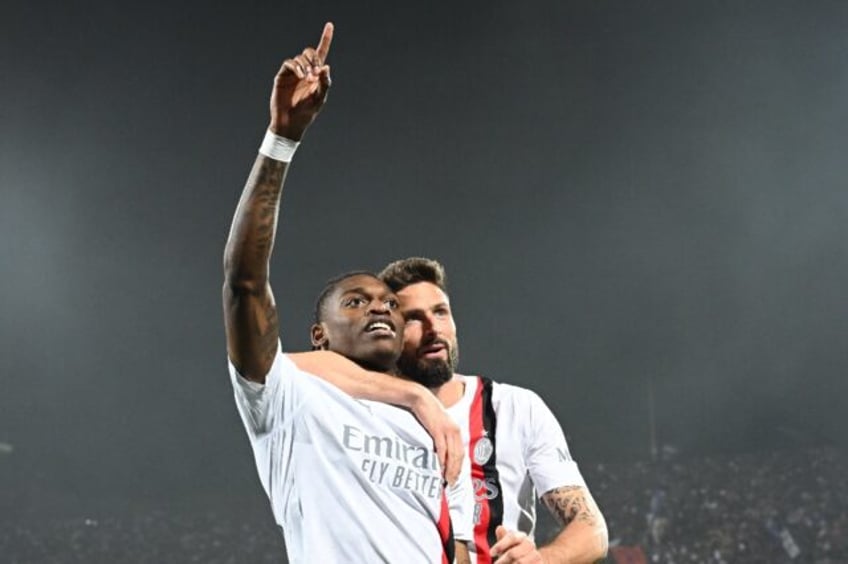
point(545, 449)
point(250, 317)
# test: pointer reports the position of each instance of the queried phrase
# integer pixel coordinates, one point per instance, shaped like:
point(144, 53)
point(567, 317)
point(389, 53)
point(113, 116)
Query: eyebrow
point(432, 307)
point(414, 310)
point(364, 292)
point(357, 290)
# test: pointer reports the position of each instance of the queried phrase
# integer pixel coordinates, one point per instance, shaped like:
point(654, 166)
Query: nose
point(429, 325)
point(378, 306)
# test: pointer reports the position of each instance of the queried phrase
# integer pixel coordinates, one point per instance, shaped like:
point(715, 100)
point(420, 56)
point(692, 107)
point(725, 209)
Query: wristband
point(278, 148)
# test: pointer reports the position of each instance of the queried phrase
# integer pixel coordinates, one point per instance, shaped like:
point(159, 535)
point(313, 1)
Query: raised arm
point(250, 314)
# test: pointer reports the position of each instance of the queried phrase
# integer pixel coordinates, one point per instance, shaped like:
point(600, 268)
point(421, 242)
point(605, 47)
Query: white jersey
point(516, 448)
point(348, 480)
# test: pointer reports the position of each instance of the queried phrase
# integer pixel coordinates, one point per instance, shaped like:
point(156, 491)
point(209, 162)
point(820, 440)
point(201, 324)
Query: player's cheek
point(411, 338)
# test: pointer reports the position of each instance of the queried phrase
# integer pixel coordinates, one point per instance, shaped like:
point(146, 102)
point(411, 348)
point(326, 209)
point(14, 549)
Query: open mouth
point(381, 328)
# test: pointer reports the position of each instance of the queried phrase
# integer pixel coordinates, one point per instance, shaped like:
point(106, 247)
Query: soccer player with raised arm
point(348, 480)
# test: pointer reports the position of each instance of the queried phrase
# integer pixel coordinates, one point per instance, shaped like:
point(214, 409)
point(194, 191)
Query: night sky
point(622, 193)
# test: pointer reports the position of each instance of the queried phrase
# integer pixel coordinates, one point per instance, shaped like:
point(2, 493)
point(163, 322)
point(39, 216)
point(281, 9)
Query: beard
point(430, 373)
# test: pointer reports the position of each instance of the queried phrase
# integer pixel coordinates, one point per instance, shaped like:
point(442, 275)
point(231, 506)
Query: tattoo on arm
point(571, 503)
point(267, 330)
point(250, 311)
point(264, 201)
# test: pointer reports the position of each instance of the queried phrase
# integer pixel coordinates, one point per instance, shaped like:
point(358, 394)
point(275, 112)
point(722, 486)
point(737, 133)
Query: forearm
point(376, 386)
point(584, 537)
point(250, 314)
point(578, 543)
point(358, 382)
point(251, 238)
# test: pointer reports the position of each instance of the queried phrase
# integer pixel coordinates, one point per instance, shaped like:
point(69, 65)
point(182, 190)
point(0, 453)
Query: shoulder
point(503, 396)
point(520, 397)
point(283, 377)
point(526, 412)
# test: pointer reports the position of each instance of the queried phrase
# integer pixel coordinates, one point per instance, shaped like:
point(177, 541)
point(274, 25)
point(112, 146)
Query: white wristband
point(278, 148)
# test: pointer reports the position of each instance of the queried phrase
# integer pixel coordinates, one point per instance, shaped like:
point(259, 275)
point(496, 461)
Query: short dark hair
point(330, 286)
point(402, 273)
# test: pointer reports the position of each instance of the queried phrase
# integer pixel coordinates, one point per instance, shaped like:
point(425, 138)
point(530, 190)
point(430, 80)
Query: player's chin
point(382, 349)
point(434, 372)
point(433, 362)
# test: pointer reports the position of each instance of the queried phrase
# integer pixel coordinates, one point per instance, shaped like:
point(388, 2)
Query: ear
point(319, 337)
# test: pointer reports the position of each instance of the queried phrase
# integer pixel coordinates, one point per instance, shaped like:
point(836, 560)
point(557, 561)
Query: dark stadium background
point(633, 200)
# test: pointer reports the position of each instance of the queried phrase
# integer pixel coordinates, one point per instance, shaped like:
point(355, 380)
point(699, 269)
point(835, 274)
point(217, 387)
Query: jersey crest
point(483, 450)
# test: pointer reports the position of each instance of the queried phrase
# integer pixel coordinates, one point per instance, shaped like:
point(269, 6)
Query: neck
point(376, 366)
point(450, 392)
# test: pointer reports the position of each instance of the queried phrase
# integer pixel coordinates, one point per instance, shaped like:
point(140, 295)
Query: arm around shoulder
point(358, 382)
point(377, 386)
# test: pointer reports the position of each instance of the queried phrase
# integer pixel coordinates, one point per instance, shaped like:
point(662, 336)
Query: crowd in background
point(773, 507)
point(784, 506)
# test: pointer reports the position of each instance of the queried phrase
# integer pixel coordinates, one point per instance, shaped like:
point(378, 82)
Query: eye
point(411, 317)
point(442, 312)
point(355, 301)
point(392, 303)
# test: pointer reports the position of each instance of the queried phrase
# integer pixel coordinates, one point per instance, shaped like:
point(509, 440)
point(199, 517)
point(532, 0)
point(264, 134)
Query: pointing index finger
point(324, 45)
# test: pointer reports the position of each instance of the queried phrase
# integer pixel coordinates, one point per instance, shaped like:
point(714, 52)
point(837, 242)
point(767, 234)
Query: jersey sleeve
point(268, 412)
point(267, 407)
point(461, 506)
point(546, 453)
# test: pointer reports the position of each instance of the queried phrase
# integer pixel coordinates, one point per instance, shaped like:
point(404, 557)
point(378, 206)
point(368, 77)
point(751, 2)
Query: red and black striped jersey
point(515, 448)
